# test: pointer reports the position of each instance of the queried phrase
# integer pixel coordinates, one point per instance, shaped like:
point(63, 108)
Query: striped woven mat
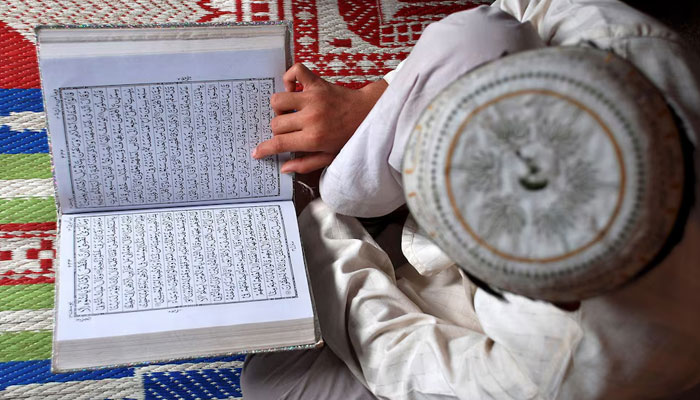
point(347, 42)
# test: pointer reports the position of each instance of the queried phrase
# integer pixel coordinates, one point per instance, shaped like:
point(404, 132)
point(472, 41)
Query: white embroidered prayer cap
point(556, 174)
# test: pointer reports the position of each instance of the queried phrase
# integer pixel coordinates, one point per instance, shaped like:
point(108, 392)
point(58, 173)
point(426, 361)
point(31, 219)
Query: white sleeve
point(573, 22)
point(364, 179)
point(390, 75)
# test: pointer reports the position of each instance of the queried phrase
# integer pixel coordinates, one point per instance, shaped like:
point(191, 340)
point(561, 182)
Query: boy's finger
point(309, 163)
point(284, 102)
point(285, 123)
point(289, 80)
point(293, 141)
point(298, 72)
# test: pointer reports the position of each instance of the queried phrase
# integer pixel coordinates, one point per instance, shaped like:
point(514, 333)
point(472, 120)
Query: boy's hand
point(326, 117)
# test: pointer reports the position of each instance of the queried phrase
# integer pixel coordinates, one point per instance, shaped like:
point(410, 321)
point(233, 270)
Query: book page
point(142, 131)
point(184, 268)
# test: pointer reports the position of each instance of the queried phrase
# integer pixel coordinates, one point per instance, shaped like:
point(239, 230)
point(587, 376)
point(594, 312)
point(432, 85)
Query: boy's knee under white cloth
point(406, 335)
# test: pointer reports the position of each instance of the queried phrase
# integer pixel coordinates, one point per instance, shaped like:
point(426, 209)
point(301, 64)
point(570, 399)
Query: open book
point(174, 242)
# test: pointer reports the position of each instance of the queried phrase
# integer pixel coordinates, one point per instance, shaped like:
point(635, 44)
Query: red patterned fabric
point(349, 42)
point(353, 42)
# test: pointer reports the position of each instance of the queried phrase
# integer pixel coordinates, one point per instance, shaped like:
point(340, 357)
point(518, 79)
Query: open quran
point(174, 242)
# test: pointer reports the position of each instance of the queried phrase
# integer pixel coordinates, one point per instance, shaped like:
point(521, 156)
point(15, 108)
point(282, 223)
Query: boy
point(422, 329)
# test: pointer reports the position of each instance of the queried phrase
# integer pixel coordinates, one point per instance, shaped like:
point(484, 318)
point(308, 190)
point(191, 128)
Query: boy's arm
point(575, 22)
point(318, 120)
point(364, 180)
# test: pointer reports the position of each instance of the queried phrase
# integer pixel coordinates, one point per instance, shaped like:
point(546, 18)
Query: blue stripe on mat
point(13, 142)
point(39, 371)
point(28, 372)
point(237, 357)
point(18, 100)
point(222, 383)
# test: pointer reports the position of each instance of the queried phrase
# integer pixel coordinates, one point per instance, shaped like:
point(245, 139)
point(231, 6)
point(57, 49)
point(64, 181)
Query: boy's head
point(557, 174)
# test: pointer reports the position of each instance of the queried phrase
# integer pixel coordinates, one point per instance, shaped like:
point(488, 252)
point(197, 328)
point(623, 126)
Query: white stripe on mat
point(189, 367)
point(16, 188)
point(130, 387)
point(21, 265)
point(26, 320)
point(24, 121)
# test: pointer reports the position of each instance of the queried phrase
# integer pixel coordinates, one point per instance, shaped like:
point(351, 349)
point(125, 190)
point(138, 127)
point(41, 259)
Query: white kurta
point(422, 330)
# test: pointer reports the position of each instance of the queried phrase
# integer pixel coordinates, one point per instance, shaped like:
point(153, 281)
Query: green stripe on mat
point(25, 166)
point(24, 346)
point(22, 211)
point(26, 297)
